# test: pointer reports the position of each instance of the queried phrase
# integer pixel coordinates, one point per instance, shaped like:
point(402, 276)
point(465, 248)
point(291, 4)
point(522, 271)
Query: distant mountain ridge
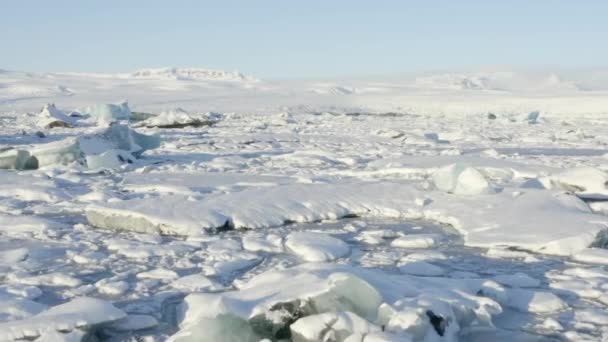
point(189, 74)
point(167, 73)
point(495, 81)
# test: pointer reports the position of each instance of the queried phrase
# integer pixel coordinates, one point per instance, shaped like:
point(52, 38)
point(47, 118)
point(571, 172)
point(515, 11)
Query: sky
point(301, 39)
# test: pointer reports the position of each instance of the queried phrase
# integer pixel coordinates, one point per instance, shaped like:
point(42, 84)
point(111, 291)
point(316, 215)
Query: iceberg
point(316, 247)
point(109, 148)
point(330, 326)
point(531, 117)
point(115, 145)
point(109, 159)
point(323, 302)
point(179, 118)
point(270, 302)
point(51, 117)
point(460, 179)
point(15, 159)
point(60, 152)
point(538, 220)
point(108, 112)
point(586, 182)
point(80, 314)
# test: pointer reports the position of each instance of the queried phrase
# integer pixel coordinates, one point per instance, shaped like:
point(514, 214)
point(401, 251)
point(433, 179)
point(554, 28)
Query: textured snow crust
point(215, 206)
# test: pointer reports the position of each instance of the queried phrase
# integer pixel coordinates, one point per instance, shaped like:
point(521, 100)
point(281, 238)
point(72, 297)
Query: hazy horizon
point(273, 39)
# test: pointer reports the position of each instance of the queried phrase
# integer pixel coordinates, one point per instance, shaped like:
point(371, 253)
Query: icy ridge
point(539, 220)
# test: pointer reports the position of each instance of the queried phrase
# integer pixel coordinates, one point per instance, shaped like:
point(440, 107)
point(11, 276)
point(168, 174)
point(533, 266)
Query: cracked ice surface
point(340, 218)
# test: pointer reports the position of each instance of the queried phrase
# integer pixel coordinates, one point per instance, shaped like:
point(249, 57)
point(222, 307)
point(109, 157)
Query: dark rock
point(59, 123)
point(438, 322)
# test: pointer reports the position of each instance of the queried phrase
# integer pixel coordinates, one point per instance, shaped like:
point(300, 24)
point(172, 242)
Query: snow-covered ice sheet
point(538, 220)
point(467, 206)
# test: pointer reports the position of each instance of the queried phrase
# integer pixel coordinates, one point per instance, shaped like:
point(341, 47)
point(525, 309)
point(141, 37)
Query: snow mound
point(316, 247)
point(453, 81)
point(460, 179)
point(60, 152)
point(117, 144)
point(592, 255)
point(586, 182)
point(531, 117)
point(179, 118)
point(416, 241)
point(312, 302)
point(534, 301)
point(16, 159)
point(51, 117)
point(78, 314)
point(33, 91)
point(538, 220)
point(105, 148)
point(30, 188)
point(108, 112)
point(21, 225)
point(420, 268)
point(330, 326)
point(189, 74)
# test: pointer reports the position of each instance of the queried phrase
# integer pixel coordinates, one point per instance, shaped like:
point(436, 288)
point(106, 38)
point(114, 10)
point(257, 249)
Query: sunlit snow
point(215, 206)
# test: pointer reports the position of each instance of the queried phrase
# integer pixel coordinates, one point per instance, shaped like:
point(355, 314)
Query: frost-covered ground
point(433, 208)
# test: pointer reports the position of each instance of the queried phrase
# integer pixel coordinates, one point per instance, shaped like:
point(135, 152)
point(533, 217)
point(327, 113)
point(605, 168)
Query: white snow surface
point(430, 207)
point(538, 220)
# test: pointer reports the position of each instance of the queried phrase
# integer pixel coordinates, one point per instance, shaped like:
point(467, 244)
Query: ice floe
point(537, 220)
point(51, 117)
point(180, 118)
point(78, 314)
point(461, 180)
point(299, 302)
point(108, 112)
point(377, 216)
point(316, 247)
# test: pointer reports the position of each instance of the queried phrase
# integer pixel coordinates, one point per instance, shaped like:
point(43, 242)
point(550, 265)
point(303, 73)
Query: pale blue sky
point(309, 38)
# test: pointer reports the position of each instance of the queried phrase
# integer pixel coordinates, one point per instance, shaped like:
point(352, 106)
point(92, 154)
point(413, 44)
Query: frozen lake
point(299, 211)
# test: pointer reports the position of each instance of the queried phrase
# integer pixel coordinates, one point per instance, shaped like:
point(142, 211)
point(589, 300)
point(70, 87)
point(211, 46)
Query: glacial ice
point(11, 158)
point(179, 118)
point(280, 160)
point(107, 147)
point(134, 322)
point(461, 179)
point(416, 241)
point(330, 326)
point(79, 314)
point(51, 117)
point(22, 225)
point(532, 219)
point(586, 182)
point(420, 268)
point(108, 112)
point(531, 117)
point(284, 299)
point(60, 152)
point(592, 255)
point(533, 301)
point(316, 247)
point(305, 301)
point(115, 145)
